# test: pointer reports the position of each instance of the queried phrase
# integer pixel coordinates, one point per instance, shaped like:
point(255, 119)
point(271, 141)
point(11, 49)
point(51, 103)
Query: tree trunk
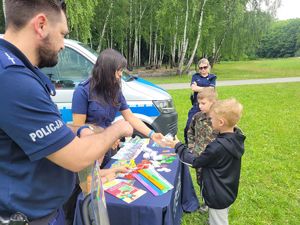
point(150, 43)
point(229, 10)
point(198, 37)
point(130, 35)
point(135, 47)
point(3, 6)
point(137, 29)
point(161, 55)
point(184, 41)
point(174, 43)
point(104, 26)
point(140, 42)
point(155, 49)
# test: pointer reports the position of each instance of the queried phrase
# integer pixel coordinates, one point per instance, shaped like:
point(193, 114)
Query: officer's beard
point(48, 57)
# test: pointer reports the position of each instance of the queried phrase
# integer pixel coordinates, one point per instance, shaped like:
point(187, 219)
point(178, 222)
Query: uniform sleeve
point(208, 158)
point(194, 77)
point(191, 134)
point(29, 117)
point(184, 154)
point(213, 81)
point(123, 102)
point(80, 101)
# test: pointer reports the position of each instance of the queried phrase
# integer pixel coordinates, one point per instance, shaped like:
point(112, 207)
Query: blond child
point(200, 132)
point(220, 161)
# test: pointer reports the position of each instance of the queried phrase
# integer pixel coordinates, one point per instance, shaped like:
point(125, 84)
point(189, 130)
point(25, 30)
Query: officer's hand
point(116, 144)
point(86, 132)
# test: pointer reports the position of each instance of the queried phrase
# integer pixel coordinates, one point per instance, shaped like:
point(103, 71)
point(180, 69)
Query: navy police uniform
point(101, 114)
point(208, 81)
point(31, 128)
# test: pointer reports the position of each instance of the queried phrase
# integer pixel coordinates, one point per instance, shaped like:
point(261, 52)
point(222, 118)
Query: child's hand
point(171, 143)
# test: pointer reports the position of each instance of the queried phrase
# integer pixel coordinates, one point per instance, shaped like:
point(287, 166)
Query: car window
point(71, 69)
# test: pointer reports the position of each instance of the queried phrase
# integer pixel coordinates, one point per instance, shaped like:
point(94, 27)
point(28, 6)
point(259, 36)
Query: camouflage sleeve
point(191, 134)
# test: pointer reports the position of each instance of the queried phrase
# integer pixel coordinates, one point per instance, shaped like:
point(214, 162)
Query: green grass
point(269, 191)
point(264, 68)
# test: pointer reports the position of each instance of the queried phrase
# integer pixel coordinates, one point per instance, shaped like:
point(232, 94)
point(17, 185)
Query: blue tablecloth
point(155, 210)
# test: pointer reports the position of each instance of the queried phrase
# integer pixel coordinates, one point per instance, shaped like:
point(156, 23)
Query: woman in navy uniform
point(99, 99)
point(198, 82)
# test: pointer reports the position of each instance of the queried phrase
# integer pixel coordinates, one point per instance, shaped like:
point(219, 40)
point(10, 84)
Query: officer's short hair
point(19, 12)
point(208, 93)
point(229, 109)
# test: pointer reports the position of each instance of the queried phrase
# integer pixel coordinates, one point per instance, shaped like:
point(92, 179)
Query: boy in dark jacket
point(220, 161)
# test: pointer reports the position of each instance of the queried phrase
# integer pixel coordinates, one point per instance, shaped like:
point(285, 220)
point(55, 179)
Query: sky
point(289, 9)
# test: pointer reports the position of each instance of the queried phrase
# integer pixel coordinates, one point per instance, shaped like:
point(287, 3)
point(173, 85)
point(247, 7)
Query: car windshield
point(126, 76)
point(88, 48)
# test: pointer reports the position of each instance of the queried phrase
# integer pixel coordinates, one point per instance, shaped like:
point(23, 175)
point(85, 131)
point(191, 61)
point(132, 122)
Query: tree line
point(172, 32)
point(281, 40)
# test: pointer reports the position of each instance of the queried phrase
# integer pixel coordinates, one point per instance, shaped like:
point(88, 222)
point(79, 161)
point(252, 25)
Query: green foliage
point(80, 15)
point(231, 30)
point(269, 184)
point(283, 40)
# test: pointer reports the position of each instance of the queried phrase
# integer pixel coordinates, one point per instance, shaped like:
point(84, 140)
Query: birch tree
point(80, 16)
point(111, 5)
point(184, 41)
point(198, 36)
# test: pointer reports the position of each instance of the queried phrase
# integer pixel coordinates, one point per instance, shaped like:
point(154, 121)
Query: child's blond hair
point(229, 109)
point(208, 93)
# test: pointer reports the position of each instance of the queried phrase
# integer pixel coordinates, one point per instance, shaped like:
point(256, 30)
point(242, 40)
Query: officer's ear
point(40, 25)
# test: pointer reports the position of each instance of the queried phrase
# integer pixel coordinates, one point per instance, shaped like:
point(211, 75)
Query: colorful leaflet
point(151, 187)
point(152, 179)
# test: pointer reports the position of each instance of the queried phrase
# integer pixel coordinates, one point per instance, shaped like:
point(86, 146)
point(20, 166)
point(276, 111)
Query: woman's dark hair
point(104, 86)
point(19, 12)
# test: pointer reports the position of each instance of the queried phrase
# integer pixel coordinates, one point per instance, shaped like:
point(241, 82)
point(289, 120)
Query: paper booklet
point(125, 192)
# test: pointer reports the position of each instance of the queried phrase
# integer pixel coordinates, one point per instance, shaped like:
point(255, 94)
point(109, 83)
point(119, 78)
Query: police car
point(153, 105)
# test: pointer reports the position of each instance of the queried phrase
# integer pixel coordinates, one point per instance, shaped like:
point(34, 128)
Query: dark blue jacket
point(221, 166)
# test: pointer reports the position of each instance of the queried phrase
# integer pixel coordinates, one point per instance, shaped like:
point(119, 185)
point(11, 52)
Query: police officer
point(38, 152)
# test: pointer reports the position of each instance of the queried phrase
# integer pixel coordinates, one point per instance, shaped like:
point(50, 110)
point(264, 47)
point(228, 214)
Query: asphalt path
point(234, 82)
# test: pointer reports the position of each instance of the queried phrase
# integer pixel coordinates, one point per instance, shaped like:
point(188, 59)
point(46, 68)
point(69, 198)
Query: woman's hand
point(158, 138)
point(171, 143)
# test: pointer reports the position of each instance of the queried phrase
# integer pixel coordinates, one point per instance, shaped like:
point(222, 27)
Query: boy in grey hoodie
point(220, 161)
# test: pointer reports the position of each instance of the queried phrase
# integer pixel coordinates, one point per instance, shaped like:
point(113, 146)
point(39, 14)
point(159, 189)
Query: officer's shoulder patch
point(7, 59)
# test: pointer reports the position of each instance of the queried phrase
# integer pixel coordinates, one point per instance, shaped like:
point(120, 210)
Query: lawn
point(269, 190)
point(264, 68)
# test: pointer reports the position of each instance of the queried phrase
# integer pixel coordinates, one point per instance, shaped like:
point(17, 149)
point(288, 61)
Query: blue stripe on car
point(66, 114)
point(146, 110)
